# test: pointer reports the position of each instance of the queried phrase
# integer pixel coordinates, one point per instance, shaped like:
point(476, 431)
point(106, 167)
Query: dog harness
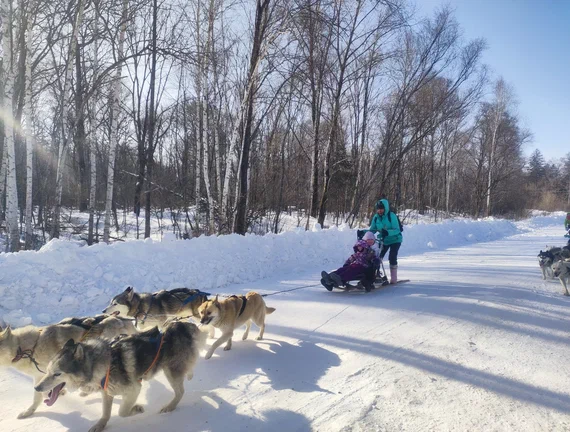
point(243, 303)
point(28, 354)
point(158, 341)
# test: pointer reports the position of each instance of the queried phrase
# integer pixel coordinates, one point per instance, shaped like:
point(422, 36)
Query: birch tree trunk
point(200, 137)
point(2, 171)
point(114, 125)
point(13, 244)
point(206, 117)
point(93, 131)
point(501, 100)
point(28, 129)
point(152, 122)
point(64, 114)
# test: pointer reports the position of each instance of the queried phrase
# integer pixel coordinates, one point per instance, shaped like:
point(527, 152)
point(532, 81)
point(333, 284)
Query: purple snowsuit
point(357, 264)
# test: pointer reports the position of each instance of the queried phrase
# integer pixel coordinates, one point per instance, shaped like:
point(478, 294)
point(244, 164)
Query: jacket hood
point(383, 202)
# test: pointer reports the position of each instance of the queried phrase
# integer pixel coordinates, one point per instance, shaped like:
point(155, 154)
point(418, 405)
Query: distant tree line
point(228, 112)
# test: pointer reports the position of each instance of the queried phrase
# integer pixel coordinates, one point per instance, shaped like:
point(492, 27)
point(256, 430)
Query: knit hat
point(362, 244)
point(369, 236)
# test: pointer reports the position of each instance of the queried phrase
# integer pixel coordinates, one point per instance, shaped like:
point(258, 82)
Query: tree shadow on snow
point(434, 365)
point(495, 308)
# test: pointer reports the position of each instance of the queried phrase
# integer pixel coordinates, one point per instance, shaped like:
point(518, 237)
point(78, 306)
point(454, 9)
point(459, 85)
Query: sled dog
point(29, 349)
point(561, 270)
point(548, 257)
point(155, 309)
point(118, 367)
point(231, 313)
point(103, 326)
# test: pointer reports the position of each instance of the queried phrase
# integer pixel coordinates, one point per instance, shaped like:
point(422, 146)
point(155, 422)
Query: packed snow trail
point(476, 341)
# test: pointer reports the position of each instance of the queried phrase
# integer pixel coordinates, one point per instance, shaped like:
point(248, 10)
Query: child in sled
point(361, 264)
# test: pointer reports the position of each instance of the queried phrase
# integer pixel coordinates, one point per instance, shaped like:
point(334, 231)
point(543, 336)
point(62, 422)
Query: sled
point(378, 285)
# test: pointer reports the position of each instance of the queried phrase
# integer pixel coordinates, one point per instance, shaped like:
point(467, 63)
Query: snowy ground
point(477, 341)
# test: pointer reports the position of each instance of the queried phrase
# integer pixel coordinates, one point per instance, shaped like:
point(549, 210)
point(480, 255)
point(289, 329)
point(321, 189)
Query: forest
point(231, 112)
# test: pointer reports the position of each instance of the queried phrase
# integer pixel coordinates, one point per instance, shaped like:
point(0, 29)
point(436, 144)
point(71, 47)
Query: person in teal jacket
point(386, 223)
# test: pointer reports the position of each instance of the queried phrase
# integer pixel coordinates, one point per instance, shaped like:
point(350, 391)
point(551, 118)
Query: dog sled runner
point(377, 286)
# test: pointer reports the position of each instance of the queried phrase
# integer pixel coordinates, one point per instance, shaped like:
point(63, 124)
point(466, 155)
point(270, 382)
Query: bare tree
point(114, 106)
point(10, 153)
point(64, 115)
point(503, 98)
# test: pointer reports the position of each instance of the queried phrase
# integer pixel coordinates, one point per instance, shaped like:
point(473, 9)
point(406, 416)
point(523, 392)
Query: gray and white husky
point(550, 256)
point(118, 367)
point(29, 349)
point(561, 270)
point(155, 309)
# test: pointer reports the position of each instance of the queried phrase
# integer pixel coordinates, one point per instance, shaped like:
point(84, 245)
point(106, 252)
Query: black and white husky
point(549, 256)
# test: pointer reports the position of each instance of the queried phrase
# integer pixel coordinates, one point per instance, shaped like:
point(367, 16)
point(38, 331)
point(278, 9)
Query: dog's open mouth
point(54, 394)
point(206, 321)
point(116, 313)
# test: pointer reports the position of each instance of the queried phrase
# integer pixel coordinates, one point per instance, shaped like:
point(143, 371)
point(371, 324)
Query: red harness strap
point(105, 382)
point(156, 356)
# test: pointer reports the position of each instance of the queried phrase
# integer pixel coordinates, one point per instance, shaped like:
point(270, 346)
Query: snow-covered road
point(476, 342)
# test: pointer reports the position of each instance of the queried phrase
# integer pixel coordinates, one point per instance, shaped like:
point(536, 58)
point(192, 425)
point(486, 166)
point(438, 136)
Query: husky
point(561, 270)
point(231, 313)
point(548, 257)
point(29, 349)
point(155, 309)
point(103, 326)
point(118, 367)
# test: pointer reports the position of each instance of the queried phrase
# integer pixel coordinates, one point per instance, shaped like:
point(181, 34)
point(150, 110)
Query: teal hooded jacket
point(389, 222)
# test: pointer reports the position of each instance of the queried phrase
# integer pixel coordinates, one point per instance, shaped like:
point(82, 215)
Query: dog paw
point(168, 408)
point(26, 414)
point(208, 355)
point(244, 337)
point(98, 427)
point(137, 409)
point(259, 338)
point(227, 348)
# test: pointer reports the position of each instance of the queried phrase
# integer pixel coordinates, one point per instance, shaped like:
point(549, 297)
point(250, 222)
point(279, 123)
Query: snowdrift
point(68, 278)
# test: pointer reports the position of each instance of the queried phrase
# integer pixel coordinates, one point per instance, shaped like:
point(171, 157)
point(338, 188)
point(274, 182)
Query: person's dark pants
point(351, 272)
point(393, 255)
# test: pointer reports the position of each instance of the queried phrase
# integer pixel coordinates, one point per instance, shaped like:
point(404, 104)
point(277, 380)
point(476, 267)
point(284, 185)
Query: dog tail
point(269, 311)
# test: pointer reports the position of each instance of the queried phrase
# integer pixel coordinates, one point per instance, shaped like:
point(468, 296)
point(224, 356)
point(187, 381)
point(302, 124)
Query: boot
point(393, 274)
point(336, 279)
point(326, 281)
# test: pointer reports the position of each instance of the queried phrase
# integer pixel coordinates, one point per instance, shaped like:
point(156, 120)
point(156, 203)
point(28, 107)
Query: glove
point(360, 234)
point(384, 233)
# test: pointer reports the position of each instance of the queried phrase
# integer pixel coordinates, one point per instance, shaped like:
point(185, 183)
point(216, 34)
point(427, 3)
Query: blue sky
point(529, 45)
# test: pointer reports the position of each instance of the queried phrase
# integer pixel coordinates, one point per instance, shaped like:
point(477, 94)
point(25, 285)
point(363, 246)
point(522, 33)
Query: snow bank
point(68, 278)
